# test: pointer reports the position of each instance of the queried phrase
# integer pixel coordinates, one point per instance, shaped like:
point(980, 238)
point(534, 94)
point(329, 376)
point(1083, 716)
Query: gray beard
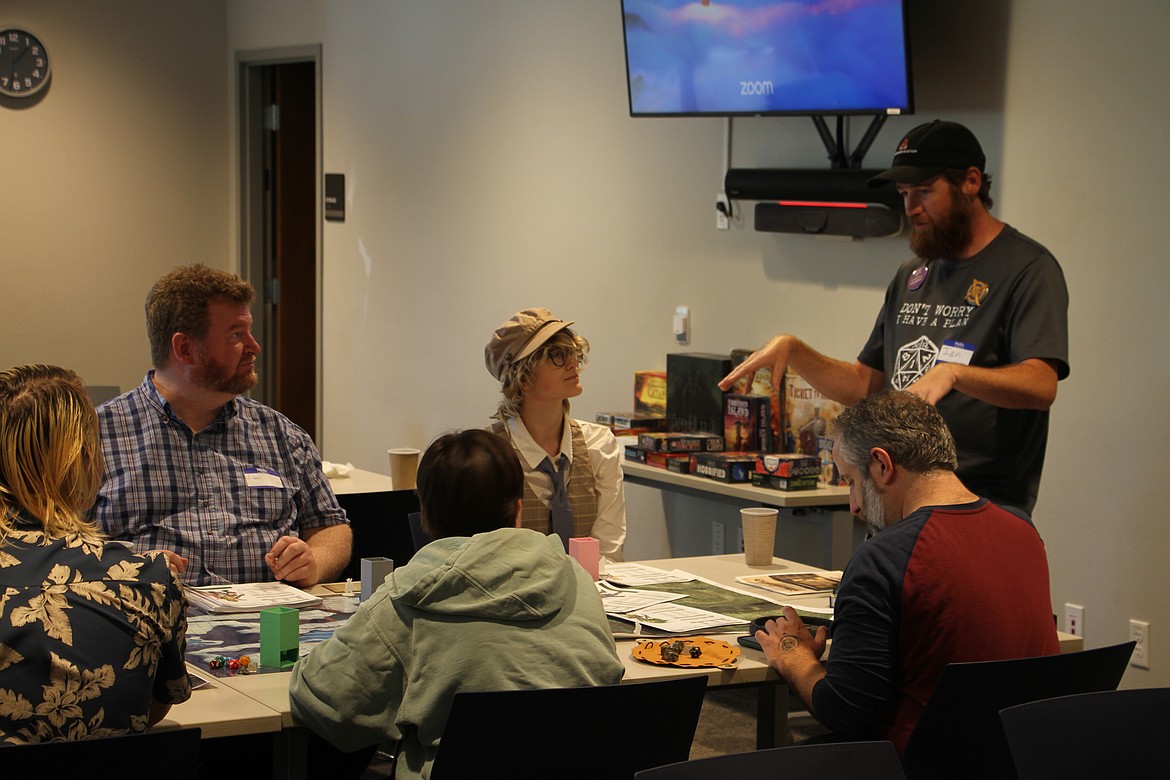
point(872, 511)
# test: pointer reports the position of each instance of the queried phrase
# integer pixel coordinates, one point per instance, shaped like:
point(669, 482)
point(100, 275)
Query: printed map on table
point(736, 609)
point(234, 635)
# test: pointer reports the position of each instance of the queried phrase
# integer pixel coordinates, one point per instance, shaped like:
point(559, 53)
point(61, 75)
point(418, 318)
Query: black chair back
point(380, 522)
point(609, 731)
point(960, 734)
point(171, 753)
point(824, 761)
point(1102, 734)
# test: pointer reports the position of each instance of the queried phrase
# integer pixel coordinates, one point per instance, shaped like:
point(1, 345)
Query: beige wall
point(491, 165)
point(117, 174)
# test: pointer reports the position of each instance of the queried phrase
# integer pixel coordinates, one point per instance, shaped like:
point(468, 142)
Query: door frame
point(250, 124)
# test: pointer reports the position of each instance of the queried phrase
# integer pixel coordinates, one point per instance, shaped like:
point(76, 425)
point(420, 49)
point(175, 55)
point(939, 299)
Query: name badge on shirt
point(262, 478)
point(956, 352)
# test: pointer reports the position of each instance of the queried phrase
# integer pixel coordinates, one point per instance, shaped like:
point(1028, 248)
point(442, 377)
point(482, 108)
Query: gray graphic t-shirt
point(1004, 305)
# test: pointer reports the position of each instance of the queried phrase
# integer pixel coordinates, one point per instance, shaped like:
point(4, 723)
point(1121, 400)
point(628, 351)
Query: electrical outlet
point(1074, 619)
point(722, 212)
point(1139, 631)
point(717, 538)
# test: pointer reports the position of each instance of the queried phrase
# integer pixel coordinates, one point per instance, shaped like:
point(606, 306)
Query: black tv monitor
point(767, 57)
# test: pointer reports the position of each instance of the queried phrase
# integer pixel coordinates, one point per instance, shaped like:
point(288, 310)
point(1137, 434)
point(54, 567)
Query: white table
point(359, 481)
point(220, 710)
point(258, 703)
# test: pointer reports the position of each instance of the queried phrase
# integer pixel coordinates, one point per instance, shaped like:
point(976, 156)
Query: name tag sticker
point(956, 352)
point(262, 478)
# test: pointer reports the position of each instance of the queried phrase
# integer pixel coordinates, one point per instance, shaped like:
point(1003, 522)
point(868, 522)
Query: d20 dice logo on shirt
point(913, 360)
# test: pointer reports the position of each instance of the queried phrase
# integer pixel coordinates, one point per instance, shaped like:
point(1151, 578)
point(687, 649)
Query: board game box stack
point(649, 412)
point(771, 438)
point(630, 423)
point(688, 398)
point(672, 451)
point(786, 471)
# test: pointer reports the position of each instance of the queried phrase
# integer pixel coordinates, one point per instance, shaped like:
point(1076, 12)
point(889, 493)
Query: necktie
point(562, 513)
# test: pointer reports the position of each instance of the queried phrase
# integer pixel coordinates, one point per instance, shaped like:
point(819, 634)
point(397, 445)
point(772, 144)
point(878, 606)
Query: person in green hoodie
point(486, 606)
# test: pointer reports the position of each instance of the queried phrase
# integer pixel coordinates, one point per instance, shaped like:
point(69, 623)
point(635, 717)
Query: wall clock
point(24, 63)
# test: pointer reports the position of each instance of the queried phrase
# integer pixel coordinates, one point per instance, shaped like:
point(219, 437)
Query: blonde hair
point(50, 454)
point(518, 374)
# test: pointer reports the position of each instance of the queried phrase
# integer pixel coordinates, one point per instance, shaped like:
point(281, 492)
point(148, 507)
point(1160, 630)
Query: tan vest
point(582, 489)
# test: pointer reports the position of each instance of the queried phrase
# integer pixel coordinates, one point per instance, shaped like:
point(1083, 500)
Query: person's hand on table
point(293, 560)
point(787, 643)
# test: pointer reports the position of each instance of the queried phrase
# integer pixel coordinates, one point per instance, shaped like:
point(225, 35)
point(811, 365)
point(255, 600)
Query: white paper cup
point(759, 534)
point(403, 467)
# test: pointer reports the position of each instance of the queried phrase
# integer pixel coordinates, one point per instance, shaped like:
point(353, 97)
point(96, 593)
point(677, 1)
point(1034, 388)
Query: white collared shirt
point(605, 461)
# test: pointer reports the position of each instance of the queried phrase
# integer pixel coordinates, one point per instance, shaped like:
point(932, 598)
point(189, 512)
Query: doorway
point(279, 228)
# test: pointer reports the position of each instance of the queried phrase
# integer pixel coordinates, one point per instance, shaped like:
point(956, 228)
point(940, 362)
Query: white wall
point(491, 165)
point(1084, 135)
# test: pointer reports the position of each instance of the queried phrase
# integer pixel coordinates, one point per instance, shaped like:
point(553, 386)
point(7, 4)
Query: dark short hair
point(468, 483)
point(177, 303)
point(908, 428)
point(956, 177)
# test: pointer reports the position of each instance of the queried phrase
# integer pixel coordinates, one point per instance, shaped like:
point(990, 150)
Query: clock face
point(24, 63)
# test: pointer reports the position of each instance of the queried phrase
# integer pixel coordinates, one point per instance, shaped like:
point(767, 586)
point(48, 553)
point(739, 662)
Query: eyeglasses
point(559, 356)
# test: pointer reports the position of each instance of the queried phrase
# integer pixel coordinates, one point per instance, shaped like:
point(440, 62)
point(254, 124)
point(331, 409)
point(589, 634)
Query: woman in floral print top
point(92, 636)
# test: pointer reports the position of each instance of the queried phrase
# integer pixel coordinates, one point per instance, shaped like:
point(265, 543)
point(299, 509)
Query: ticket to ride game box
point(807, 414)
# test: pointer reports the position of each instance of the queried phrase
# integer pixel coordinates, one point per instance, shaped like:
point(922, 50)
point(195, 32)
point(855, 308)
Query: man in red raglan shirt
point(917, 594)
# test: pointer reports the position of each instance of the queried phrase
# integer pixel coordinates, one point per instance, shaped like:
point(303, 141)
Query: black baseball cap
point(928, 150)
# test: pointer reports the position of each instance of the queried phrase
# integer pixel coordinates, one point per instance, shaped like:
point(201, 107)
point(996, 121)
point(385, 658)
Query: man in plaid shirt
point(231, 489)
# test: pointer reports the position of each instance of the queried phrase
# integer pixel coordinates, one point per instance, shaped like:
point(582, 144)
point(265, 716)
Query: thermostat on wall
point(335, 197)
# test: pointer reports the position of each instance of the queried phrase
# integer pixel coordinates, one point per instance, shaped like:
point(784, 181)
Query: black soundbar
point(808, 184)
point(860, 220)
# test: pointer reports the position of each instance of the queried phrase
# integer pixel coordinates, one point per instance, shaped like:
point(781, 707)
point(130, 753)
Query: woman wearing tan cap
point(572, 468)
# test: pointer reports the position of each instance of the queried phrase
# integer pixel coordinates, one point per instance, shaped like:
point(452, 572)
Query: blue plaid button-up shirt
point(220, 497)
